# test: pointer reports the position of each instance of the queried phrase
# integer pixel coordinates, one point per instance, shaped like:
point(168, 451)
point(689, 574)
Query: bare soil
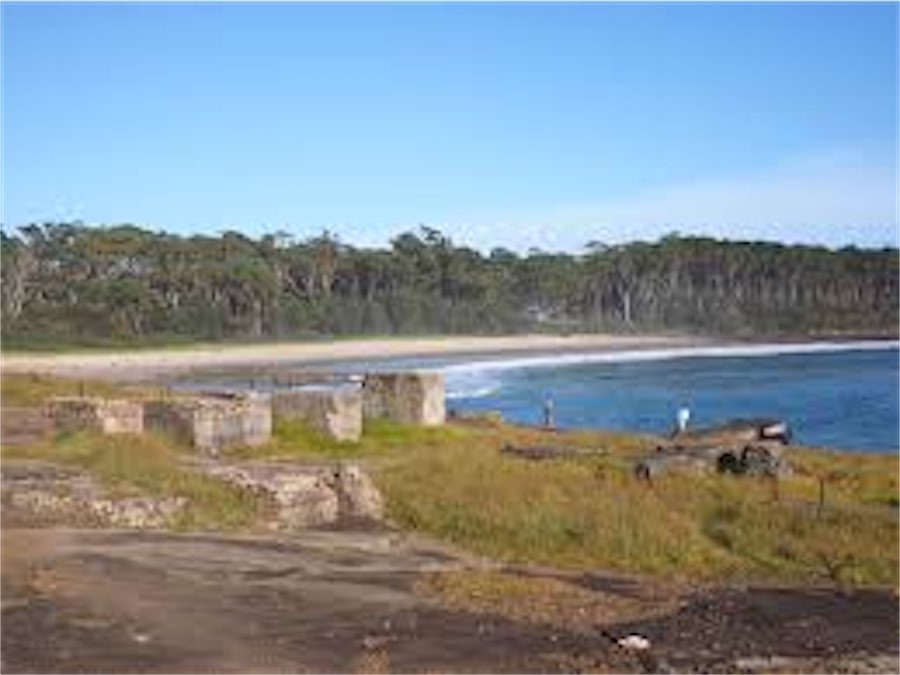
point(326, 601)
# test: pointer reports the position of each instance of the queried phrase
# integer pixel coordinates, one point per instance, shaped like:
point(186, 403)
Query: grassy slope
point(452, 482)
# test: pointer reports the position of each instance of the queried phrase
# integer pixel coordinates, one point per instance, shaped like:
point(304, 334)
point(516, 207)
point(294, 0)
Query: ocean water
point(840, 396)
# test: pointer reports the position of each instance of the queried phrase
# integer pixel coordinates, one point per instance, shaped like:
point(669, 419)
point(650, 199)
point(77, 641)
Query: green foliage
point(72, 285)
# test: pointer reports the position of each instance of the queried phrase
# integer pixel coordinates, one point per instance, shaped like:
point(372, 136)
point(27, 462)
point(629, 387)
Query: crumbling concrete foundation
point(407, 397)
point(213, 422)
point(334, 412)
point(109, 416)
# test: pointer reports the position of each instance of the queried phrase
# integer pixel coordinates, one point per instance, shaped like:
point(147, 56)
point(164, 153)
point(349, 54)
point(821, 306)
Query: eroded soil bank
point(350, 601)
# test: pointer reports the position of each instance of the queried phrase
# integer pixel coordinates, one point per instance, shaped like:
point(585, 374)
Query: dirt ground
point(79, 601)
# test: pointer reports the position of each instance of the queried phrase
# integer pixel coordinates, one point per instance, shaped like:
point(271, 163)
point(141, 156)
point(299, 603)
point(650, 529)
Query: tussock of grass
point(149, 465)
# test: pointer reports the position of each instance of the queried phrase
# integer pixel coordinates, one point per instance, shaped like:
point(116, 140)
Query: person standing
point(684, 416)
point(549, 422)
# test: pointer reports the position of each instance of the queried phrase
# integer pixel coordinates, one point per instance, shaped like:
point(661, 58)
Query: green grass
point(150, 465)
point(293, 439)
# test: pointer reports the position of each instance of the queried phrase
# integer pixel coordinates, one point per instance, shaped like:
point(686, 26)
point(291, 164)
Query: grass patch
point(294, 439)
point(149, 465)
point(591, 512)
point(32, 389)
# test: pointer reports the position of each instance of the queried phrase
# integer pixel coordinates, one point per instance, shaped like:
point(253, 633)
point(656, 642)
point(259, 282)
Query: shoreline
point(154, 364)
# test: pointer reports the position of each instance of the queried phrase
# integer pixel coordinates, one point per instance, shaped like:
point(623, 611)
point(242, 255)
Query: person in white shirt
point(684, 415)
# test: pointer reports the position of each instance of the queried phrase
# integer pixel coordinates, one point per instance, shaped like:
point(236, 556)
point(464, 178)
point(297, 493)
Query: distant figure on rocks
point(684, 416)
point(549, 422)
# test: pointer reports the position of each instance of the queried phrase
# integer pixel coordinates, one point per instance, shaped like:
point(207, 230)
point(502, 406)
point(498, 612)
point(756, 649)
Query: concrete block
point(109, 416)
point(337, 412)
point(213, 422)
point(408, 397)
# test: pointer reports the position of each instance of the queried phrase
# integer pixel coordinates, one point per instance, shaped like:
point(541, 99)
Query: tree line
point(71, 283)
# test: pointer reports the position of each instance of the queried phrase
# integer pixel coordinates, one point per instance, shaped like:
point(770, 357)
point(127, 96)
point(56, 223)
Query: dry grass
point(32, 389)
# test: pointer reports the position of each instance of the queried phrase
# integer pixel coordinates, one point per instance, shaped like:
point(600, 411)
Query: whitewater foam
point(626, 356)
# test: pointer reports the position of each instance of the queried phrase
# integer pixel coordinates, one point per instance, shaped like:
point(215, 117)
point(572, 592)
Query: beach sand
point(152, 364)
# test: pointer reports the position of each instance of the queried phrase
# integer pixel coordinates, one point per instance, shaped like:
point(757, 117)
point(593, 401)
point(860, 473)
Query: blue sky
point(515, 125)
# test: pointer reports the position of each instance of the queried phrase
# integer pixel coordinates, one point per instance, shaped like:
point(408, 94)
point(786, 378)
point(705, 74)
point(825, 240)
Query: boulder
point(408, 397)
point(334, 412)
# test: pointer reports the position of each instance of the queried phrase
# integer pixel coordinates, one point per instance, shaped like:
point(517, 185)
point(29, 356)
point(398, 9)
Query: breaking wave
point(456, 372)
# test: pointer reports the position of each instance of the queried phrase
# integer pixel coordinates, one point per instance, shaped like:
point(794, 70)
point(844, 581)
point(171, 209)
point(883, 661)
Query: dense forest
point(70, 283)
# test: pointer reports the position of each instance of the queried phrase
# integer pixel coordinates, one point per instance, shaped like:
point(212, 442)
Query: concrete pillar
point(336, 413)
point(414, 397)
point(213, 422)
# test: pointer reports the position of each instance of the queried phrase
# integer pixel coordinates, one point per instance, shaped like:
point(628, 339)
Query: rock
point(359, 498)
point(758, 459)
point(138, 512)
point(407, 397)
point(213, 422)
point(733, 433)
point(109, 416)
point(334, 412)
point(634, 642)
point(763, 460)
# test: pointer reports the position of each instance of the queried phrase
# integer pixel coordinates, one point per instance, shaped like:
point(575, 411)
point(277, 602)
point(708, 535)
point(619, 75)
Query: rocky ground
point(94, 600)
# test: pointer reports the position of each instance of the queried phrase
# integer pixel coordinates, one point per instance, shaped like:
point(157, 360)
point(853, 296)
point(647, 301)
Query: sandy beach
point(150, 364)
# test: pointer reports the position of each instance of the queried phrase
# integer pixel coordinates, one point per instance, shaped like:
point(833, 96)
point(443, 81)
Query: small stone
point(633, 641)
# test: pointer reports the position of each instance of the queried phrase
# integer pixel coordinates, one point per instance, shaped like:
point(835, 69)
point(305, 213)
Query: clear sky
point(514, 125)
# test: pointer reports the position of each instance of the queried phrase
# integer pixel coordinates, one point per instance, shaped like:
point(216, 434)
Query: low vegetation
point(453, 482)
point(587, 512)
point(33, 389)
point(149, 465)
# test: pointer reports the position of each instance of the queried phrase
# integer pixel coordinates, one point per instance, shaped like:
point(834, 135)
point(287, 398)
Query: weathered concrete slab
point(408, 397)
point(336, 412)
point(213, 422)
point(306, 495)
point(109, 416)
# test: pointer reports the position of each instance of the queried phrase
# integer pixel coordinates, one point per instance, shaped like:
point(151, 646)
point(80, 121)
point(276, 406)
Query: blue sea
point(839, 395)
point(835, 395)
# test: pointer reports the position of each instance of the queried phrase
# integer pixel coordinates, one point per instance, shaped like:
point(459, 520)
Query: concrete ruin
point(210, 422)
point(108, 416)
point(407, 397)
point(305, 495)
point(335, 412)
